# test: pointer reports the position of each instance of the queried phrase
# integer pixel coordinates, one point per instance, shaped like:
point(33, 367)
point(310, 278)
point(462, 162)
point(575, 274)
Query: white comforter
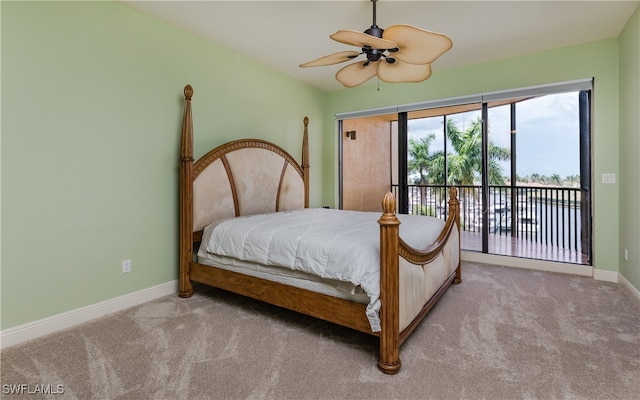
point(334, 244)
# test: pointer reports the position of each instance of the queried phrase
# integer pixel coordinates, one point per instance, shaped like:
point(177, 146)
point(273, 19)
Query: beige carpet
point(504, 333)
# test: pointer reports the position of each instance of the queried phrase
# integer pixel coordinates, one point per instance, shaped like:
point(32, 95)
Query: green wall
point(598, 60)
point(92, 108)
point(630, 149)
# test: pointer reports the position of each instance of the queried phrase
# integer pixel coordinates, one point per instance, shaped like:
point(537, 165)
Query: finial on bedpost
point(389, 203)
point(389, 359)
point(453, 193)
point(454, 204)
point(305, 160)
point(188, 92)
point(186, 147)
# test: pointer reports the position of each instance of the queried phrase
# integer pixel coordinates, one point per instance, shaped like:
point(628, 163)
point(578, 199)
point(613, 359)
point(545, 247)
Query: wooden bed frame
point(343, 312)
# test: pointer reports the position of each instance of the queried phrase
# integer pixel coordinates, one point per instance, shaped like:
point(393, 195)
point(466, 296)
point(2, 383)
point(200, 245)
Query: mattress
point(334, 252)
point(302, 280)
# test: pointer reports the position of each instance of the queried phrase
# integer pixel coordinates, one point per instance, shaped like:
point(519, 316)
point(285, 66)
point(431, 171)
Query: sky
point(547, 133)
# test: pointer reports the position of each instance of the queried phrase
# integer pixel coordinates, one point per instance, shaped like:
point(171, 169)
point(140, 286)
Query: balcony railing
point(546, 215)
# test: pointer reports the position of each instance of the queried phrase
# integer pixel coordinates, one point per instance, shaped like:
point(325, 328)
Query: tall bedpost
point(389, 360)
point(186, 197)
point(305, 160)
point(454, 209)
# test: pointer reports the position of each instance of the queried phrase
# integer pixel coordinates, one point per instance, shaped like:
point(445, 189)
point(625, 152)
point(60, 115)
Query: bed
point(256, 185)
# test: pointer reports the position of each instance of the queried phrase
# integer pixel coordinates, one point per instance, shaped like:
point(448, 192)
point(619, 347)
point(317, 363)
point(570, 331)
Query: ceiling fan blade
point(362, 39)
point(331, 59)
point(401, 71)
point(416, 45)
point(357, 73)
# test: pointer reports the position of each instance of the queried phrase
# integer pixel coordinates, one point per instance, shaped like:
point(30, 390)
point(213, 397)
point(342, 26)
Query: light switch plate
point(608, 178)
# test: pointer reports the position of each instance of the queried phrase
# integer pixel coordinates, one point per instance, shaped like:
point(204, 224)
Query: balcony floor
point(506, 245)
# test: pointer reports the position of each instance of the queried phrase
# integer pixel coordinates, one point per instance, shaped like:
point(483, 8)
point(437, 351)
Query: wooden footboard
point(392, 247)
point(220, 185)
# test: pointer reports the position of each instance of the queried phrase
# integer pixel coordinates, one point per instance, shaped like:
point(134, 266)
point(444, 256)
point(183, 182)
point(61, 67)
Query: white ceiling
point(284, 34)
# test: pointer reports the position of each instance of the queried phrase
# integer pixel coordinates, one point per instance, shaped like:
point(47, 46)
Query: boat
point(525, 222)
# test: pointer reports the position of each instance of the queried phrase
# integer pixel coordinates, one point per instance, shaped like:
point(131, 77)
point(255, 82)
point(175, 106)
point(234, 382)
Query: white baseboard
point(32, 330)
point(527, 263)
point(607, 276)
point(629, 288)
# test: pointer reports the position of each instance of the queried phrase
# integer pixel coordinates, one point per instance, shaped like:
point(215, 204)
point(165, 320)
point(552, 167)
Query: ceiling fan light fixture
point(413, 49)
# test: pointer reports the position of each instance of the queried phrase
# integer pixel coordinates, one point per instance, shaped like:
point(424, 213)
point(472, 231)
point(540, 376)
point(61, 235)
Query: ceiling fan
point(400, 53)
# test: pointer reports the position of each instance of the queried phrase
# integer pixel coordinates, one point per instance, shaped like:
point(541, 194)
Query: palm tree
point(535, 177)
point(419, 159)
point(464, 165)
point(556, 180)
point(422, 162)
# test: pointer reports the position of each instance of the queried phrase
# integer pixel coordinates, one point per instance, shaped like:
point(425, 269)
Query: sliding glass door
point(545, 198)
point(521, 164)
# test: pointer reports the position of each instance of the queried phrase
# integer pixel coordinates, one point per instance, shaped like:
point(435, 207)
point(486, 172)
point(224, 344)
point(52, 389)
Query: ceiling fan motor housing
point(375, 31)
point(376, 54)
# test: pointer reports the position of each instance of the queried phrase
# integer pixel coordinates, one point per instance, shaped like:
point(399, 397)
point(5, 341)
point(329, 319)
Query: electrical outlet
point(126, 266)
point(626, 254)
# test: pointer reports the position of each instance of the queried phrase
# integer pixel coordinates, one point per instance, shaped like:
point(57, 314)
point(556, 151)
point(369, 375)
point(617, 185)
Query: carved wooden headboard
point(245, 177)
point(242, 177)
